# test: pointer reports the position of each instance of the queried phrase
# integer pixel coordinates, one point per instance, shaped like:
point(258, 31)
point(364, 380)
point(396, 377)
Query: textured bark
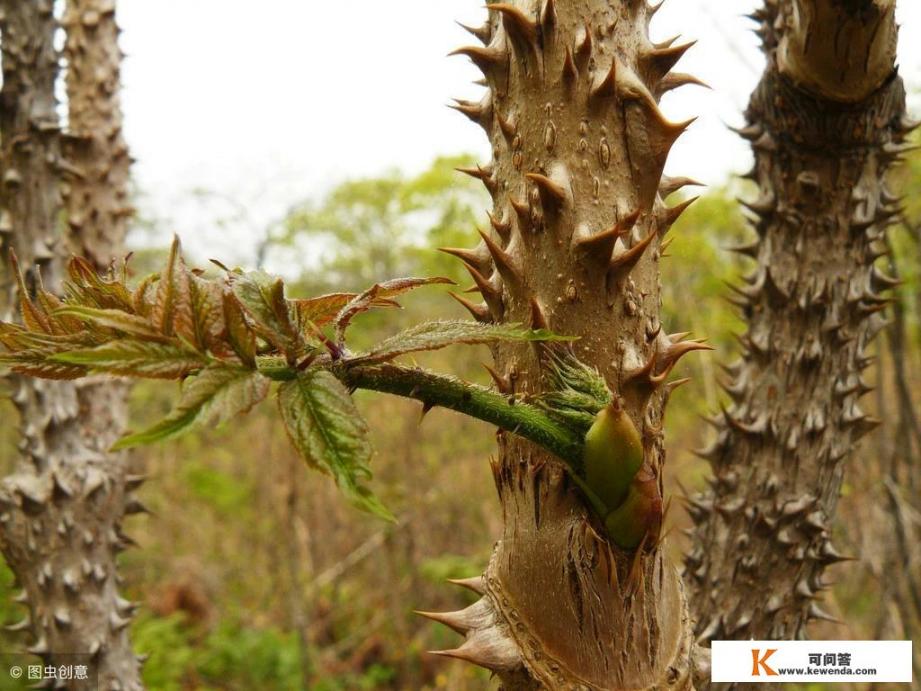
point(63, 506)
point(762, 540)
point(577, 228)
point(97, 198)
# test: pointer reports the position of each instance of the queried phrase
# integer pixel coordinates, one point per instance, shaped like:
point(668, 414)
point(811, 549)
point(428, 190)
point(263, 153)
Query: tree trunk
point(826, 122)
point(577, 228)
point(64, 505)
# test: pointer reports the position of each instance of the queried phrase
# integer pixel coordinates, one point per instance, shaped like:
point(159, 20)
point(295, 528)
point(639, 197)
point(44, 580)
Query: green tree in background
point(368, 230)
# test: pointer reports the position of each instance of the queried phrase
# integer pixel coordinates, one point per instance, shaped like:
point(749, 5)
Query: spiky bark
point(64, 505)
point(571, 110)
point(825, 123)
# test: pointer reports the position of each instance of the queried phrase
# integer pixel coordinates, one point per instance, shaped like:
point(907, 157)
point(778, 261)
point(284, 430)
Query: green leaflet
point(328, 431)
point(135, 358)
point(210, 398)
point(441, 334)
point(263, 299)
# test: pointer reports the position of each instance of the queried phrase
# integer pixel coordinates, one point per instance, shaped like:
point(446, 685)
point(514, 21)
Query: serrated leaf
point(241, 337)
point(211, 398)
point(379, 291)
point(111, 319)
point(172, 309)
point(49, 304)
point(441, 334)
point(144, 295)
point(87, 287)
point(33, 316)
point(263, 299)
point(208, 315)
point(35, 363)
point(321, 310)
point(136, 358)
point(329, 433)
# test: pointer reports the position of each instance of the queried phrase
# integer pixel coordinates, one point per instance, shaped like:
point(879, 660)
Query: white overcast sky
point(272, 102)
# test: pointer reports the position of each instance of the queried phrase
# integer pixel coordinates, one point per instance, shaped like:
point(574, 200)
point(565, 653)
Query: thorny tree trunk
point(577, 229)
point(63, 507)
point(825, 123)
point(904, 457)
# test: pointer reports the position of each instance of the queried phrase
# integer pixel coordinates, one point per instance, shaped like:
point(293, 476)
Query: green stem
point(525, 420)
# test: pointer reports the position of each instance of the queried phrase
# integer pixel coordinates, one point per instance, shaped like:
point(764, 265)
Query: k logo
point(762, 662)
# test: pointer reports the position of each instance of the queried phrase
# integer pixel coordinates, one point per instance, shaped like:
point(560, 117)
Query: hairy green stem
point(431, 389)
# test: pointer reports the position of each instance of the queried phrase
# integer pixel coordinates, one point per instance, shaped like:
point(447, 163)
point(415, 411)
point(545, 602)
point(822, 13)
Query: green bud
point(612, 455)
point(640, 514)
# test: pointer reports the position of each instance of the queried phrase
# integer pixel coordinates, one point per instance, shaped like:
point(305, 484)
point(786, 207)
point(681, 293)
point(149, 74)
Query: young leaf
point(112, 319)
point(210, 398)
point(440, 334)
point(329, 433)
point(368, 299)
point(263, 298)
point(33, 316)
point(241, 337)
point(208, 316)
point(87, 287)
point(321, 310)
point(35, 363)
point(144, 296)
point(172, 310)
point(135, 358)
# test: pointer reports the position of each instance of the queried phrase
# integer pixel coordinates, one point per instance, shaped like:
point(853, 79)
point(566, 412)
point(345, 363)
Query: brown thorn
point(584, 47)
point(507, 125)
point(643, 372)
point(668, 185)
point(523, 211)
point(480, 653)
point(673, 213)
point(478, 112)
point(482, 57)
point(479, 312)
point(453, 620)
point(483, 175)
point(548, 14)
point(675, 80)
point(475, 583)
point(475, 257)
point(503, 384)
point(570, 71)
point(504, 262)
point(502, 228)
point(606, 86)
point(481, 32)
point(552, 194)
point(516, 22)
point(490, 294)
point(624, 262)
point(662, 60)
point(538, 317)
point(601, 245)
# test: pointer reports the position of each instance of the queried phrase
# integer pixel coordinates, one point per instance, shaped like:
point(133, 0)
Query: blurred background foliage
point(253, 574)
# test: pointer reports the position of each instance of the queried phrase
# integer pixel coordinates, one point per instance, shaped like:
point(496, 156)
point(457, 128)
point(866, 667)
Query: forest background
point(251, 572)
